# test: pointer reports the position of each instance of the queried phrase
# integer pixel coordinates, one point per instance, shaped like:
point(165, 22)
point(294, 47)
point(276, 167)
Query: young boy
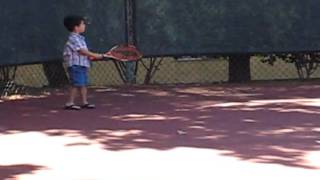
point(77, 57)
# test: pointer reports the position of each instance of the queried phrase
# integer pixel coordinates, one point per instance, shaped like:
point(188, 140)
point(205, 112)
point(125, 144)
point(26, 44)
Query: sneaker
point(88, 106)
point(72, 107)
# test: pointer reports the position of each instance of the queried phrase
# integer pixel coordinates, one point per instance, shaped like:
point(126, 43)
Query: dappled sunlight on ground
point(87, 159)
point(255, 103)
point(166, 133)
point(279, 105)
point(133, 117)
point(20, 97)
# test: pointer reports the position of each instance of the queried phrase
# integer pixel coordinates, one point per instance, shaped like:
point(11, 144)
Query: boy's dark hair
point(72, 21)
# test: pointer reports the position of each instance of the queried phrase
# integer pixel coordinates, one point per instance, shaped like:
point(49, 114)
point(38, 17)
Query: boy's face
point(80, 28)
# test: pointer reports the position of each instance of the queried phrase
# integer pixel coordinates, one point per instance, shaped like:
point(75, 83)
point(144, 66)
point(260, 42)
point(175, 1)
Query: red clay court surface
point(250, 132)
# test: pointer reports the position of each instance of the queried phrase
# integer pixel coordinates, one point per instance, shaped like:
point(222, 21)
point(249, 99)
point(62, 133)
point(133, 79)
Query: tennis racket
point(123, 53)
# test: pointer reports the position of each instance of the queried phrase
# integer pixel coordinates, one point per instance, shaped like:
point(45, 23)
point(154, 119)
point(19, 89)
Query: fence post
point(130, 38)
point(239, 68)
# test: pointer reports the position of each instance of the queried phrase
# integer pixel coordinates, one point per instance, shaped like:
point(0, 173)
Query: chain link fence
point(203, 70)
point(154, 26)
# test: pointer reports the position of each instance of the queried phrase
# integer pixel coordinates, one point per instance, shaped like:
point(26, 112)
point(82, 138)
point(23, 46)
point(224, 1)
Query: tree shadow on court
point(259, 123)
point(9, 172)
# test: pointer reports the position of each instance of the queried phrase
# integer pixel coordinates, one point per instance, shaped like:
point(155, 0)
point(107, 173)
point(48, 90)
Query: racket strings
point(125, 52)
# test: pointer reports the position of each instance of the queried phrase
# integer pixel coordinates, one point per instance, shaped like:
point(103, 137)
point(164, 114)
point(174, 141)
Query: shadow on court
point(263, 123)
point(8, 172)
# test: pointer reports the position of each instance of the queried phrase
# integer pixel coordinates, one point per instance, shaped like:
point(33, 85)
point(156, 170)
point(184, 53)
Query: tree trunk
point(55, 73)
point(239, 68)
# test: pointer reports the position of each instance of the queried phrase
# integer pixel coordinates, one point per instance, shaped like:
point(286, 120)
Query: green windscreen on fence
point(32, 30)
point(168, 27)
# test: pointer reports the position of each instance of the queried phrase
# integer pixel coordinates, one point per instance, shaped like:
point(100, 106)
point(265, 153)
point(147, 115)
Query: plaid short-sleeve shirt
point(71, 53)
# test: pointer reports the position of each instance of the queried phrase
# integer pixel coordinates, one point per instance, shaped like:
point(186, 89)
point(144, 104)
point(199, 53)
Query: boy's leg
point(84, 96)
point(84, 92)
point(73, 76)
point(84, 89)
point(70, 104)
point(85, 104)
point(73, 93)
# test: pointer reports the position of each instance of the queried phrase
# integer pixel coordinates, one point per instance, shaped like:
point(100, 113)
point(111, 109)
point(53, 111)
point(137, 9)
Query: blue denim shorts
point(78, 76)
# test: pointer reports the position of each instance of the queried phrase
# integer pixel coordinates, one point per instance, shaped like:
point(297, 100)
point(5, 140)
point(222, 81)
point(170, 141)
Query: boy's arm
point(90, 54)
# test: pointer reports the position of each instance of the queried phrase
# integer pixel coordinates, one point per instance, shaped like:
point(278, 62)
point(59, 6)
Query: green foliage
point(306, 63)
